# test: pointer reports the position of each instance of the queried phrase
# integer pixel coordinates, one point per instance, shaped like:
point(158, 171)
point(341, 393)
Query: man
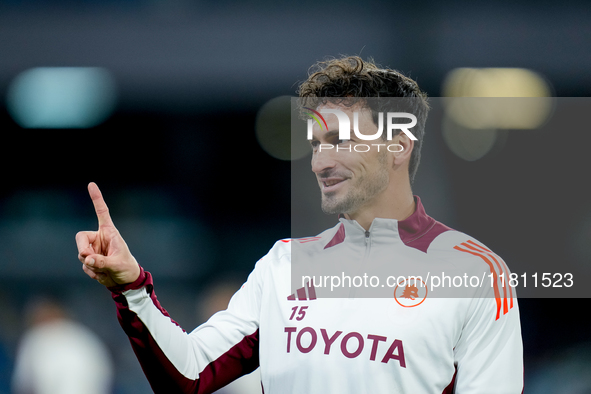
point(304, 343)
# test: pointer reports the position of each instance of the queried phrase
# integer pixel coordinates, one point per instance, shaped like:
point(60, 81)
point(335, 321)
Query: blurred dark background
point(199, 200)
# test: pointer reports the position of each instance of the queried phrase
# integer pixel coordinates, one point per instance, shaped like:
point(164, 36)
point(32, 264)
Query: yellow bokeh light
point(501, 98)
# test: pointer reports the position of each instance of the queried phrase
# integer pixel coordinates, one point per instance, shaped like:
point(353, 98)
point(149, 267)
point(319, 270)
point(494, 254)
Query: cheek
point(368, 162)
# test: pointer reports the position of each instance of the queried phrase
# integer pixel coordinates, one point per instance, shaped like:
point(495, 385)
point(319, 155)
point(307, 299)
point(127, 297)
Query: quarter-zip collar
point(418, 230)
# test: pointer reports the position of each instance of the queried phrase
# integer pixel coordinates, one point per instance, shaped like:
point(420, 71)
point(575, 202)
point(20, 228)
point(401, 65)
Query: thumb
point(97, 261)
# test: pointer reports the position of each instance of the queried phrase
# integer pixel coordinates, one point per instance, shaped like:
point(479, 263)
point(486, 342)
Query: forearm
point(174, 361)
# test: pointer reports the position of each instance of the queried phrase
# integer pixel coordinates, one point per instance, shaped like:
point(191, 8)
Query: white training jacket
point(412, 342)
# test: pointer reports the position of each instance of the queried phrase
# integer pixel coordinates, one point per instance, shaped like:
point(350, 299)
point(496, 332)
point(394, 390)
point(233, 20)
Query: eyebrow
point(328, 134)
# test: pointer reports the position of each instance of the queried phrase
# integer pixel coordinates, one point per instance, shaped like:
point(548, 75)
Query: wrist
point(141, 279)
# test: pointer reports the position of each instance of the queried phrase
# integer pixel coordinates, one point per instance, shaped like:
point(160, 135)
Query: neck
point(393, 203)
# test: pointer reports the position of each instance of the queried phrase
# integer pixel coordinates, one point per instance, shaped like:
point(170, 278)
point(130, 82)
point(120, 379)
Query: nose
point(322, 160)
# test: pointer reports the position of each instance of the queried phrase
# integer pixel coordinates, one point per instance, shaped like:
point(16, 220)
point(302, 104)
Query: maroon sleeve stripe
point(163, 377)
point(450, 387)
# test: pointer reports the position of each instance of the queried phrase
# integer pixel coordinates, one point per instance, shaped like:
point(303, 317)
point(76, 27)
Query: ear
point(404, 150)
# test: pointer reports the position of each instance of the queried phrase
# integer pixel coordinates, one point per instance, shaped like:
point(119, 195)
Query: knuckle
point(88, 272)
point(100, 263)
point(83, 238)
point(102, 211)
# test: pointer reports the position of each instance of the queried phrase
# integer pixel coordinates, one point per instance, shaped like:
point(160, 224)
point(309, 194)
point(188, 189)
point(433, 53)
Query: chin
point(334, 207)
point(329, 208)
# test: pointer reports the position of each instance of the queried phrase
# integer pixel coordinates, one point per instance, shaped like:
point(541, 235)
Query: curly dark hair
point(352, 79)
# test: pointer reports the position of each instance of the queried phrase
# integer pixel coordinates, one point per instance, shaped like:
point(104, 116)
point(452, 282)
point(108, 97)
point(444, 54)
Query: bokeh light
point(466, 143)
point(480, 101)
point(61, 97)
point(273, 130)
point(508, 98)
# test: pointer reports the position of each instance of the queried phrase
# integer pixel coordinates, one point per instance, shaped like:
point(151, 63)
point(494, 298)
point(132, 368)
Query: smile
point(331, 184)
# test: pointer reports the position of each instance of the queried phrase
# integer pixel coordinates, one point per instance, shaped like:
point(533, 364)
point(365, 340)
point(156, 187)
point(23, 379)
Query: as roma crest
point(412, 292)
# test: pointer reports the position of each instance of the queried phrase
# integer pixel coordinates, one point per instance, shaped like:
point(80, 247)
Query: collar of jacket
point(417, 231)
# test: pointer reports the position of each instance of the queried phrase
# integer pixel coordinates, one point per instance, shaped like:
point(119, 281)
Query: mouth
point(331, 184)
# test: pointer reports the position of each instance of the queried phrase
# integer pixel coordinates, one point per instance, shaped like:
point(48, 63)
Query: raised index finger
point(100, 207)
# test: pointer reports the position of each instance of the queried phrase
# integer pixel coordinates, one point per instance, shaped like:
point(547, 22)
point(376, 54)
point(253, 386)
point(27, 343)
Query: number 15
point(301, 313)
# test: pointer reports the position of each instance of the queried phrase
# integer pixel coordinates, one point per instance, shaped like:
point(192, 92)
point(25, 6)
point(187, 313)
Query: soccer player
point(411, 342)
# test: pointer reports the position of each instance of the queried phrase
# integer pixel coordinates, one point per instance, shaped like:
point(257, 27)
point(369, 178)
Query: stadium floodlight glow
point(273, 130)
point(61, 97)
point(497, 98)
point(469, 144)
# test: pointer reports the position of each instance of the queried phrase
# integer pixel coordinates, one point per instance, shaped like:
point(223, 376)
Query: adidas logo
point(304, 293)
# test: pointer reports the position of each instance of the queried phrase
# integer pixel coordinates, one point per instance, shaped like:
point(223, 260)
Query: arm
point(174, 361)
point(213, 355)
point(489, 353)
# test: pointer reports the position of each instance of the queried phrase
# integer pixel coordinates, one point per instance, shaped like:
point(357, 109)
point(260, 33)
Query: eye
point(342, 141)
point(314, 144)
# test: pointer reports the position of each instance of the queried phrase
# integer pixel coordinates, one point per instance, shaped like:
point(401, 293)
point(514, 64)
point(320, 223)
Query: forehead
point(364, 119)
point(348, 109)
point(364, 114)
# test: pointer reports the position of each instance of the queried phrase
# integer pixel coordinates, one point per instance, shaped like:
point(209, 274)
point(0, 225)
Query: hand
point(103, 253)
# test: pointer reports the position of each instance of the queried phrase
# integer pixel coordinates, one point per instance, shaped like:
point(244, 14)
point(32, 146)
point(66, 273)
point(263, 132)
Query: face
point(348, 180)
